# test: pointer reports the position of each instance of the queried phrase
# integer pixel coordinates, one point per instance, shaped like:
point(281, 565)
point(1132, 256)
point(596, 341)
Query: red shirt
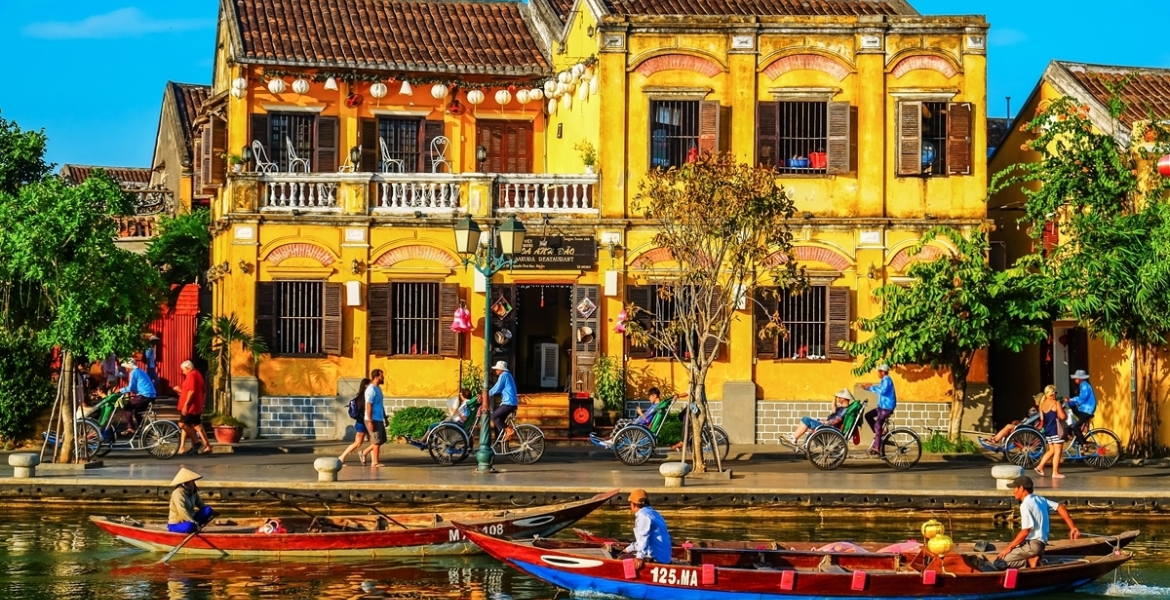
point(192, 383)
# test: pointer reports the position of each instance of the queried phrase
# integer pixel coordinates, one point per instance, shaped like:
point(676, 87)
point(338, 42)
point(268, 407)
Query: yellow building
point(341, 250)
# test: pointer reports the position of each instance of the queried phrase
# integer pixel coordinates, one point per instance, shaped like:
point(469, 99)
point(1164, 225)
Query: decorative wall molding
point(904, 258)
point(416, 252)
point(930, 62)
point(810, 62)
point(678, 62)
point(300, 250)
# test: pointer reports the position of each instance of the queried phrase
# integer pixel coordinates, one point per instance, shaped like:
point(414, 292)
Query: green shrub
point(226, 420)
point(414, 421)
point(26, 387)
point(939, 443)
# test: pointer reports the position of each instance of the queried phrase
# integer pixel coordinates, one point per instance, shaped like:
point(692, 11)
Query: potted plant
point(588, 154)
point(228, 429)
point(215, 340)
point(235, 160)
point(609, 385)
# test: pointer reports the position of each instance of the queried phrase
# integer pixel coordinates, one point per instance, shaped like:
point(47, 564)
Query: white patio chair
point(439, 154)
point(263, 165)
point(293, 159)
point(390, 165)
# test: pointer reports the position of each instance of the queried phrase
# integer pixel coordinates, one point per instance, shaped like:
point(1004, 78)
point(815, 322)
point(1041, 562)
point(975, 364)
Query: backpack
point(357, 408)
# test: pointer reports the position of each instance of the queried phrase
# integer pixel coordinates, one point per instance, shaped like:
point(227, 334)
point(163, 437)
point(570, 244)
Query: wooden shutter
point(260, 132)
point(767, 132)
point(331, 338)
point(767, 304)
point(585, 352)
point(218, 171)
point(960, 116)
point(448, 304)
point(205, 166)
point(640, 296)
point(838, 324)
point(326, 159)
point(431, 130)
point(709, 127)
point(266, 303)
point(369, 145)
point(842, 142)
point(909, 138)
point(378, 306)
point(712, 343)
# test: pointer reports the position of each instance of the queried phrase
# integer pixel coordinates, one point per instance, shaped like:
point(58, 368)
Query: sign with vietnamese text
point(557, 252)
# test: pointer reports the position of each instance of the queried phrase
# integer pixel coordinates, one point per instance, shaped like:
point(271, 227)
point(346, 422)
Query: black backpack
point(357, 407)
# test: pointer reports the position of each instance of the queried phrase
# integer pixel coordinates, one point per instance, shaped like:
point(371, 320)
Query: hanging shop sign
point(557, 252)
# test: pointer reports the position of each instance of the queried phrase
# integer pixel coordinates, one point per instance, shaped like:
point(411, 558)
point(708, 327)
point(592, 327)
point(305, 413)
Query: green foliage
point(472, 378)
point(671, 432)
point(414, 421)
point(226, 420)
point(25, 385)
point(941, 444)
point(609, 382)
point(588, 152)
point(22, 157)
point(215, 341)
point(182, 250)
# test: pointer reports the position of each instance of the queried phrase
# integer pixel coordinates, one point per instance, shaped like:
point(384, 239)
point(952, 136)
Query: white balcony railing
point(546, 193)
point(410, 192)
point(297, 191)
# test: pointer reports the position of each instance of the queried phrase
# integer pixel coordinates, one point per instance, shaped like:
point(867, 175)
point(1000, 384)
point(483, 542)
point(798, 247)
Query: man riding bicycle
point(1084, 405)
point(142, 393)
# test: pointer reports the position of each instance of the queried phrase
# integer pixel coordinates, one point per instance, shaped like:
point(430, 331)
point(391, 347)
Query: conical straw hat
point(184, 475)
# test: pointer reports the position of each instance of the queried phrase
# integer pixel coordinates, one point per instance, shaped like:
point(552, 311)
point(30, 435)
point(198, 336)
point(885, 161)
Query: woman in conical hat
point(188, 512)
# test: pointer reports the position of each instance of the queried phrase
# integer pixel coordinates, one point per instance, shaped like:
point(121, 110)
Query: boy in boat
point(1028, 546)
point(651, 539)
point(188, 512)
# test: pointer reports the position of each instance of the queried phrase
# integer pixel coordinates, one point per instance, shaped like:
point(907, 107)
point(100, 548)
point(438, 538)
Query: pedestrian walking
point(1052, 424)
point(375, 418)
point(357, 412)
point(887, 402)
point(192, 395)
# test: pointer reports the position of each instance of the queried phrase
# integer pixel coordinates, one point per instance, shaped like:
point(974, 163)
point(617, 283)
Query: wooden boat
point(1087, 545)
point(731, 574)
point(381, 535)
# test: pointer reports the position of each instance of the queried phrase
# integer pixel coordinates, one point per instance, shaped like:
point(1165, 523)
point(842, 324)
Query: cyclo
point(97, 433)
point(635, 440)
point(449, 441)
point(827, 446)
point(1026, 444)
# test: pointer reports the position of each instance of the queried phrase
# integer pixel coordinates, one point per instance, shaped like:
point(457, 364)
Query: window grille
point(401, 136)
point(674, 132)
point(934, 138)
point(414, 318)
point(300, 318)
point(803, 138)
point(290, 126)
point(805, 318)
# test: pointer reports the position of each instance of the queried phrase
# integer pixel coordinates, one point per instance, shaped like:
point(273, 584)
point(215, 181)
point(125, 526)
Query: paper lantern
point(932, 528)
point(1164, 166)
point(406, 90)
point(239, 83)
point(475, 97)
point(277, 86)
point(593, 86)
point(578, 70)
point(550, 87)
point(522, 97)
point(564, 77)
point(462, 321)
point(536, 94)
point(331, 84)
point(939, 545)
point(589, 72)
point(439, 91)
point(583, 92)
point(552, 106)
point(567, 101)
point(301, 86)
point(379, 90)
point(237, 93)
point(562, 88)
point(503, 97)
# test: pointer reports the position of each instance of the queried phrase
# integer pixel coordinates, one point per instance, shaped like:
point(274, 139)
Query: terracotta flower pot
point(225, 434)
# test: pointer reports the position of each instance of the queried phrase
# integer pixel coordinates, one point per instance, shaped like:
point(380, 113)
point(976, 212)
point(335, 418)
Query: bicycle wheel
point(448, 444)
point(1102, 448)
point(526, 446)
point(722, 445)
point(88, 439)
point(1024, 447)
point(901, 448)
point(633, 445)
point(827, 449)
point(161, 439)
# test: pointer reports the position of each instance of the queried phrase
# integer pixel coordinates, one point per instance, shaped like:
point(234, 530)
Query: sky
point(110, 60)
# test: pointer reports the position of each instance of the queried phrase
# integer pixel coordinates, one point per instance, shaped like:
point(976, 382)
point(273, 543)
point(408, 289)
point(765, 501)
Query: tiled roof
point(997, 131)
point(188, 98)
point(128, 177)
point(759, 7)
point(437, 36)
point(1145, 90)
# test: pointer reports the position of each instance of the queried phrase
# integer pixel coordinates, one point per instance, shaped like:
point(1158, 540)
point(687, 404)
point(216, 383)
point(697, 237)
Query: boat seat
point(827, 566)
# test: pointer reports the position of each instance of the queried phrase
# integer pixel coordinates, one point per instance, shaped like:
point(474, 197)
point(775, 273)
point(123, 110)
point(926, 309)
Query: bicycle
point(449, 442)
point(827, 447)
point(159, 437)
point(1026, 445)
point(634, 441)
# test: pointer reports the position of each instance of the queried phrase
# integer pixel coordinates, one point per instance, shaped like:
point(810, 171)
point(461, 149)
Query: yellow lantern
point(939, 545)
point(932, 528)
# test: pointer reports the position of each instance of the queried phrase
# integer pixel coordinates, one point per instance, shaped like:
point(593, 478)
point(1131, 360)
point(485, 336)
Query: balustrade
point(428, 192)
point(310, 192)
point(546, 193)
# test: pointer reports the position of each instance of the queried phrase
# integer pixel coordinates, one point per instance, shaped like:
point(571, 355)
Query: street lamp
point(488, 262)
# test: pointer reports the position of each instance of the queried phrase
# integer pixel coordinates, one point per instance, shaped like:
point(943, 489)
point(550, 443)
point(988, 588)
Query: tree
point(954, 308)
point(182, 250)
point(22, 157)
point(217, 338)
point(1104, 196)
point(726, 228)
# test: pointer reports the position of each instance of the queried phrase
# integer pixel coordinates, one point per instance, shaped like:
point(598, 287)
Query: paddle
point(170, 554)
point(349, 502)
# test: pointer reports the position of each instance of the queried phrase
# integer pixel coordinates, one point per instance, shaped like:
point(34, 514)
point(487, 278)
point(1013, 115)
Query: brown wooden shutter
point(839, 323)
point(218, 148)
point(842, 142)
point(261, 133)
point(448, 304)
point(909, 138)
point(767, 132)
point(378, 307)
point(266, 303)
point(709, 127)
point(640, 296)
point(960, 117)
point(369, 145)
point(767, 304)
point(331, 338)
point(712, 343)
point(326, 159)
point(205, 166)
point(431, 130)
point(585, 352)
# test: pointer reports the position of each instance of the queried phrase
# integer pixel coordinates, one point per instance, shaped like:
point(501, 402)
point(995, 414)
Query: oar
point(369, 506)
point(170, 554)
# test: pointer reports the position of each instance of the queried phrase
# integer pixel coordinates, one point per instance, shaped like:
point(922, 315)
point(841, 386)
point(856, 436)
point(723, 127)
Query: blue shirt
point(651, 539)
point(506, 388)
point(887, 397)
point(1086, 400)
point(140, 384)
point(149, 358)
point(374, 401)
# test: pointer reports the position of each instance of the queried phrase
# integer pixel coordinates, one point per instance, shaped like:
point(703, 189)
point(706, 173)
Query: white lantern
point(475, 97)
point(239, 83)
point(567, 101)
point(552, 106)
point(379, 90)
point(589, 72)
point(562, 88)
point(564, 77)
point(331, 84)
point(503, 97)
point(439, 91)
point(522, 97)
point(583, 91)
point(593, 86)
point(536, 94)
point(406, 90)
point(237, 93)
point(301, 86)
point(570, 87)
point(550, 87)
point(578, 70)
point(277, 86)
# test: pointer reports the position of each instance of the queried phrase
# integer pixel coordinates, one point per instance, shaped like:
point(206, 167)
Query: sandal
point(1038, 472)
point(1058, 475)
point(377, 465)
point(362, 458)
point(205, 450)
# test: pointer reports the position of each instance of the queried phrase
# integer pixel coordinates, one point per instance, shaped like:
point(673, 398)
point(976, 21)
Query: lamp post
point(488, 262)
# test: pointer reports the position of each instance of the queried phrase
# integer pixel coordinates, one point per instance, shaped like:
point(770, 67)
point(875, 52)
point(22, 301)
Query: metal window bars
point(934, 138)
point(803, 139)
point(399, 143)
point(414, 319)
point(300, 319)
point(674, 132)
point(805, 317)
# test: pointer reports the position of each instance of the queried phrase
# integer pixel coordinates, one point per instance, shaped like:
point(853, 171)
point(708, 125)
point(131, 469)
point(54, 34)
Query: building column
point(871, 123)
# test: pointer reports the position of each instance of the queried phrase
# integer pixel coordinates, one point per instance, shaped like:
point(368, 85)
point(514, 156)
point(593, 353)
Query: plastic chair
point(263, 165)
point(390, 165)
point(439, 153)
point(293, 159)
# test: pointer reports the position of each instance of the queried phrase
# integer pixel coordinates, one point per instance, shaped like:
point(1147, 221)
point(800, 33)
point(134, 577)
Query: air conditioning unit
point(550, 354)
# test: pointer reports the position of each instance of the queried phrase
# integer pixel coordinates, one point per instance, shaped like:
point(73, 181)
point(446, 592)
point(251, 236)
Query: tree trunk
point(65, 452)
point(696, 420)
point(1143, 441)
point(958, 399)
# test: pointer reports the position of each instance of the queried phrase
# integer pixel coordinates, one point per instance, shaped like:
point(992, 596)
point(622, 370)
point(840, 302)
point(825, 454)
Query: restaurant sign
point(557, 252)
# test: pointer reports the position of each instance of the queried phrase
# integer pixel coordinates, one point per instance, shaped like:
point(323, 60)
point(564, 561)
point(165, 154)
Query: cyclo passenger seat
point(852, 414)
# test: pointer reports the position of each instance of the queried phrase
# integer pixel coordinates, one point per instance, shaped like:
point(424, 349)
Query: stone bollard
point(327, 468)
point(24, 464)
point(675, 473)
point(1005, 474)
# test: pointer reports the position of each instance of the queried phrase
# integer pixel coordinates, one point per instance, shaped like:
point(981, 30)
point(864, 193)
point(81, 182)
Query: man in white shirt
point(1028, 546)
point(651, 539)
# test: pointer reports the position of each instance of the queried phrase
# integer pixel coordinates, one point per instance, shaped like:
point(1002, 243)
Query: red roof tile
point(436, 36)
point(759, 7)
point(189, 98)
point(128, 177)
point(1146, 90)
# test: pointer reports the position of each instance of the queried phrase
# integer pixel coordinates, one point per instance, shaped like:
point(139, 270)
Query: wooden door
point(508, 144)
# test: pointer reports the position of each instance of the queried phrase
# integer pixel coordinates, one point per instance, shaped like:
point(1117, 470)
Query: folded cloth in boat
point(838, 547)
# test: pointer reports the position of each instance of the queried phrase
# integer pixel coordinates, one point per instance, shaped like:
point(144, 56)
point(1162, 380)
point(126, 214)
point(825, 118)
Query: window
point(806, 137)
point(313, 138)
point(659, 312)
point(407, 144)
point(299, 318)
point(402, 142)
point(413, 318)
point(674, 132)
point(816, 320)
point(934, 138)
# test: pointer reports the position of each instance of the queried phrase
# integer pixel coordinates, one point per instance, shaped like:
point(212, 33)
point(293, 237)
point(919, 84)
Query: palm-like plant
point(216, 338)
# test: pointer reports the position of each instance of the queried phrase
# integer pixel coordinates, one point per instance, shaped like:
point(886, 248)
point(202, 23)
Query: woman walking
point(1052, 424)
point(359, 423)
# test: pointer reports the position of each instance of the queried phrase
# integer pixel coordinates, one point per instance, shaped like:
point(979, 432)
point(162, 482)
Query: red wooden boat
point(1087, 545)
point(730, 574)
point(405, 534)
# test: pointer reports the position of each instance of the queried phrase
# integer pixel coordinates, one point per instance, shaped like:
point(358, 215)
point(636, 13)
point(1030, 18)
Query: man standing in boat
point(1028, 546)
point(188, 512)
point(651, 539)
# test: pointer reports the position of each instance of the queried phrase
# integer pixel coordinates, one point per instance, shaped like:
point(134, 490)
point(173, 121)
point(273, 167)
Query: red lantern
point(1164, 165)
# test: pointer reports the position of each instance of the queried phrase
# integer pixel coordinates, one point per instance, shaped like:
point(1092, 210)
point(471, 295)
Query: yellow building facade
point(345, 262)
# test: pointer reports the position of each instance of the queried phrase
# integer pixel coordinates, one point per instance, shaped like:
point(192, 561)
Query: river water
point(50, 555)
